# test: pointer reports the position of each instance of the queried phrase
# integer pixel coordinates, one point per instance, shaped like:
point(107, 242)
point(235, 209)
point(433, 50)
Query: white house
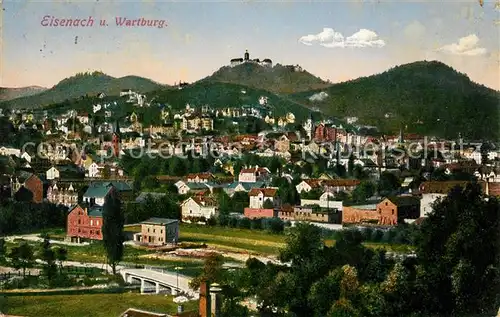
point(432, 191)
point(52, 173)
point(259, 195)
point(326, 200)
point(198, 206)
point(26, 157)
point(307, 185)
point(92, 170)
point(9, 151)
point(252, 175)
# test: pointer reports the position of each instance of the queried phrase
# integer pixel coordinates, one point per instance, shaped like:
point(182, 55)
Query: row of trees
point(23, 256)
point(455, 271)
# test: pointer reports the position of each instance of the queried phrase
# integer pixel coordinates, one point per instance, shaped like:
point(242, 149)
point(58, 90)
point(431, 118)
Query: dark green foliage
point(48, 255)
point(417, 92)
point(222, 94)
point(22, 257)
point(278, 79)
point(163, 207)
point(459, 249)
point(26, 217)
point(83, 85)
point(112, 229)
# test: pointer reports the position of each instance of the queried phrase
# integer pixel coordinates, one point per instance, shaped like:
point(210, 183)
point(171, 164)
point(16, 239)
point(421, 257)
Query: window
point(97, 222)
point(148, 229)
point(386, 203)
point(97, 232)
point(393, 211)
point(161, 231)
point(154, 230)
point(91, 222)
point(79, 221)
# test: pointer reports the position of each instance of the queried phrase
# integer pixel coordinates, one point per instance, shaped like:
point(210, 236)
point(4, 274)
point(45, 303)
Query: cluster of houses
point(63, 175)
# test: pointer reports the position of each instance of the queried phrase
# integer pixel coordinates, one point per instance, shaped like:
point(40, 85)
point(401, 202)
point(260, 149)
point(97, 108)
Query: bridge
point(159, 281)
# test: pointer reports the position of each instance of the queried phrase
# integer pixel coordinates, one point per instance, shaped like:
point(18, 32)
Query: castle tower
point(247, 56)
point(309, 127)
point(116, 139)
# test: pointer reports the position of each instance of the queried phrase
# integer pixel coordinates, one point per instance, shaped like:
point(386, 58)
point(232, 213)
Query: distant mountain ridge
point(278, 79)
point(7, 93)
point(427, 97)
point(83, 84)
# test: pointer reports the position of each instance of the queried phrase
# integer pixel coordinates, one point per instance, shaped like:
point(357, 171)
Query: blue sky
point(202, 36)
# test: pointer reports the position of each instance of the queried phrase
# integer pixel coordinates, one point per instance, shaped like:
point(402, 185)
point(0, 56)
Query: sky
point(335, 40)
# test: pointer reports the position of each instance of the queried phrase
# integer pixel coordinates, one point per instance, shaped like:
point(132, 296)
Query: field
point(90, 305)
point(230, 239)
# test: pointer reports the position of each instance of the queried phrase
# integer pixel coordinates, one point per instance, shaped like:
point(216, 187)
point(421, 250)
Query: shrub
point(256, 223)
point(244, 223)
point(377, 235)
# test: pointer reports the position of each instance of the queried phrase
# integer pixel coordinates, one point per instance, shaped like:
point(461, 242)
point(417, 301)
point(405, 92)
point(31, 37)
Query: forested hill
point(83, 84)
point(278, 79)
point(425, 97)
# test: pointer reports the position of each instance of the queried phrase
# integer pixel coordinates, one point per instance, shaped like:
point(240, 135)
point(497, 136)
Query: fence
point(8, 275)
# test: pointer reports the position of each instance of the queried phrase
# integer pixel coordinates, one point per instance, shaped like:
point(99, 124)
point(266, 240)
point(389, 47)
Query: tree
point(363, 191)
point(387, 183)
point(112, 229)
point(458, 276)
point(61, 256)
point(22, 257)
point(268, 204)
point(350, 165)
point(212, 271)
point(3, 250)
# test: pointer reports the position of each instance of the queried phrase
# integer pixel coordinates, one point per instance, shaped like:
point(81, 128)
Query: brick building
point(360, 214)
point(158, 231)
point(324, 133)
point(395, 210)
point(254, 213)
point(84, 223)
point(32, 183)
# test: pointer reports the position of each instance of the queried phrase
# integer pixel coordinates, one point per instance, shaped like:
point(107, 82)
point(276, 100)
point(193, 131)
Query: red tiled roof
point(253, 170)
point(267, 192)
point(204, 200)
point(314, 183)
point(436, 187)
point(341, 182)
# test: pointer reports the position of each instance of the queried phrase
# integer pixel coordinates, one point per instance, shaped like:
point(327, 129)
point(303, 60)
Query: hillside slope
point(278, 79)
point(83, 84)
point(425, 97)
point(13, 93)
point(218, 95)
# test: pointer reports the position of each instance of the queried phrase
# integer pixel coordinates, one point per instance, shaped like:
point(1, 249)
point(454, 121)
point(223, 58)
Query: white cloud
point(320, 96)
point(331, 39)
point(467, 46)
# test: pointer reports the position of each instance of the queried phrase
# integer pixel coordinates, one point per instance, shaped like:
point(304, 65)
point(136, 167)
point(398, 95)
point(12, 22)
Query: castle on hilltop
point(246, 59)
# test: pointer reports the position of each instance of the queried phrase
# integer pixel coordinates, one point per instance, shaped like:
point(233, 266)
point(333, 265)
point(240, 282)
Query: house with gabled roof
point(398, 209)
point(241, 187)
point(97, 192)
point(258, 196)
point(199, 207)
point(254, 174)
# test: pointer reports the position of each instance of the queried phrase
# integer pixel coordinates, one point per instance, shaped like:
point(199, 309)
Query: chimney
point(215, 298)
point(204, 308)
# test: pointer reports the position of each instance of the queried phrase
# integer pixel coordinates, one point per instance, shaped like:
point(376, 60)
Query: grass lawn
point(229, 239)
point(91, 305)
